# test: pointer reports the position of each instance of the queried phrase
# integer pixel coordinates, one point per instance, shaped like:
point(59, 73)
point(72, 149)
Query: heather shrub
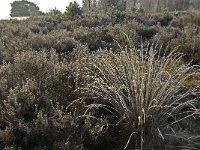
point(165, 35)
point(65, 25)
point(84, 22)
point(35, 90)
point(196, 18)
point(35, 29)
point(57, 40)
point(145, 102)
point(94, 38)
point(37, 66)
point(39, 103)
point(11, 47)
point(42, 24)
point(147, 32)
point(61, 42)
point(2, 48)
point(39, 41)
point(20, 31)
point(108, 37)
point(185, 19)
point(164, 21)
point(189, 46)
point(185, 40)
point(144, 21)
point(90, 22)
point(120, 37)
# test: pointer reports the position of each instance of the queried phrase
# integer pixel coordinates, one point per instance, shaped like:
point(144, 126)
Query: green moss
point(192, 81)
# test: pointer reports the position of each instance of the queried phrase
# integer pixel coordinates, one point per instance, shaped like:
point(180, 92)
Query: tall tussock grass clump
point(142, 95)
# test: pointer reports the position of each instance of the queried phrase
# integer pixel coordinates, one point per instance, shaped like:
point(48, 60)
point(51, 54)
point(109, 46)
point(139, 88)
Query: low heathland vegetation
point(100, 83)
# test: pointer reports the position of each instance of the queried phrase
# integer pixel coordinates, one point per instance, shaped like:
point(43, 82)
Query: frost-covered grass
point(143, 91)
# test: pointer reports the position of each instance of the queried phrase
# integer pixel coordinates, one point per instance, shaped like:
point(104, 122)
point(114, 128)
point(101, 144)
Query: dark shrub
point(36, 89)
point(164, 21)
point(147, 33)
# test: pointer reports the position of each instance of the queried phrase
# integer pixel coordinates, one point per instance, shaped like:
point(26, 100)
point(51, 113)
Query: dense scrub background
point(47, 101)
